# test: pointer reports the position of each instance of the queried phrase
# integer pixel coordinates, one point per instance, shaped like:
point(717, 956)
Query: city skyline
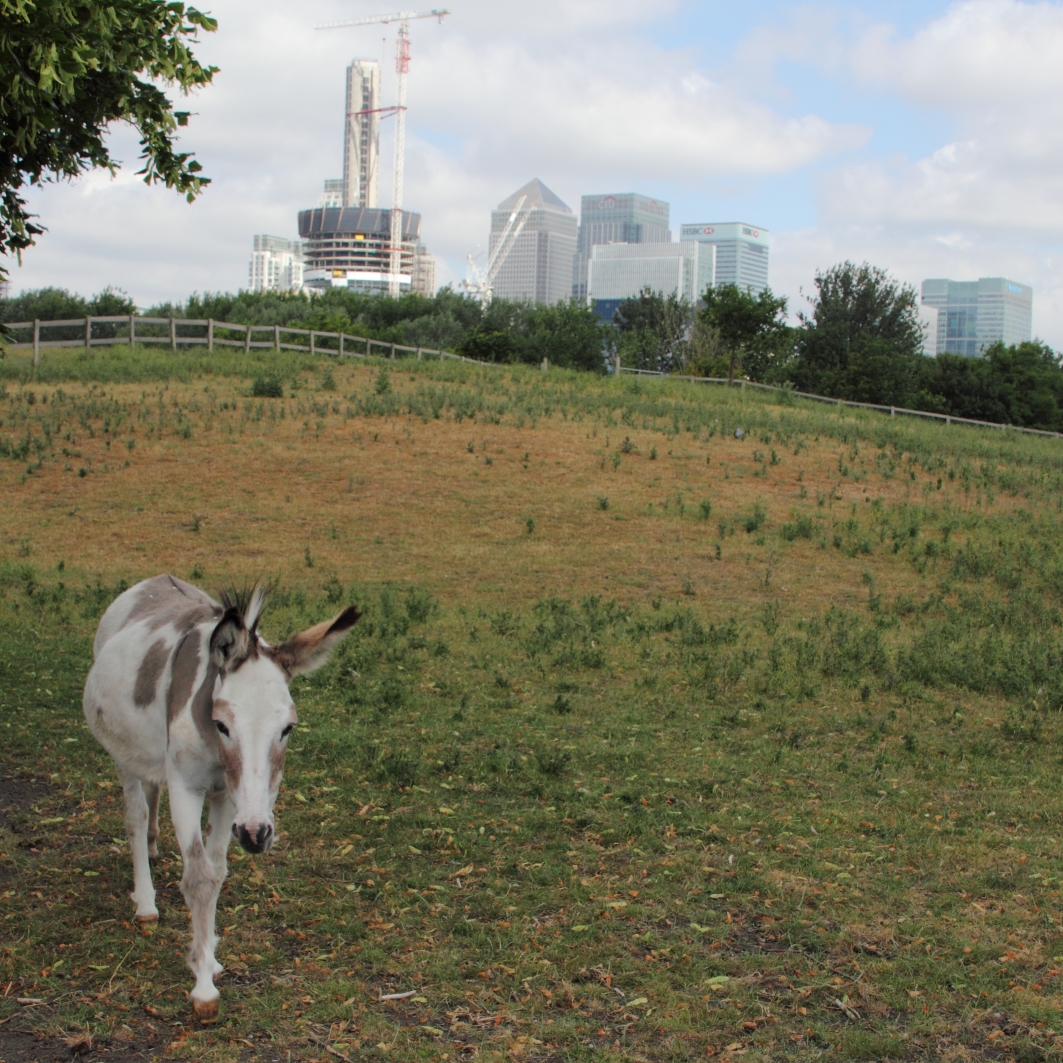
point(869, 131)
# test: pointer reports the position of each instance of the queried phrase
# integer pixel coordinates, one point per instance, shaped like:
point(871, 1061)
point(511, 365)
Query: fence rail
point(893, 411)
point(205, 333)
point(320, 343)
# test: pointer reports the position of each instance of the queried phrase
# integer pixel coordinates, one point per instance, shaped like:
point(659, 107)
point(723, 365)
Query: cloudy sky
point(924, 137)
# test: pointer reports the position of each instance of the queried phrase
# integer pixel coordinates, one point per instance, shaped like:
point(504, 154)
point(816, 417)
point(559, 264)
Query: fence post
point(341, 344)
point(312, 341)
point(88, 333)
point(418, 354)
point(393, 352)
point(132, 330)
point(948, 419)
point(36, 341)
point(743, 387)
point(210, 333)
point(173, 334)
point(277, 337)
point(892, 410)
point(247, 340)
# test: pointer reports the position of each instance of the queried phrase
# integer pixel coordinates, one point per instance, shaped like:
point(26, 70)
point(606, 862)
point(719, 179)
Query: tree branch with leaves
point(68, 70)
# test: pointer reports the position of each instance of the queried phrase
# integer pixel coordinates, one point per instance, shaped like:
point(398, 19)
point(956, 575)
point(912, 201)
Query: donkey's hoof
point(206, 1011)
point(147, 921)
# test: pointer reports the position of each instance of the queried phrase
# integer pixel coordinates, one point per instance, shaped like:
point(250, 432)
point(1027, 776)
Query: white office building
point(538, 267)
point(973, 315)
point(741, 252)
point(276, 265)
point(620, 271)
point(623, 218)
point(361, 140)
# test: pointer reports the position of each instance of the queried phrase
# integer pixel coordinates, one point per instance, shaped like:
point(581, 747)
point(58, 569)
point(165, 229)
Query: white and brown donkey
point(185, 694)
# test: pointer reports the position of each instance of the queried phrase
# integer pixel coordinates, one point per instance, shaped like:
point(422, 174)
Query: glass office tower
point(973, 315)
point(624, 218)
point(741, 252)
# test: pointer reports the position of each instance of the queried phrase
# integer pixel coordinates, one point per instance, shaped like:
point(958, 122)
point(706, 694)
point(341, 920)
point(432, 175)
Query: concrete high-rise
point(276, 265)
point(624, 218)
point(538, 267)
point(741, 252)
point(361, 139)
point(350, 247)
point(973, 315)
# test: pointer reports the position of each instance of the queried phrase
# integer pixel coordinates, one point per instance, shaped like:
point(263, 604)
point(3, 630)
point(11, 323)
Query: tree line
point(860, 338)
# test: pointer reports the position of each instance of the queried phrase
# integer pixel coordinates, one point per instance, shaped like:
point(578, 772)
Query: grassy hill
point(653, 744)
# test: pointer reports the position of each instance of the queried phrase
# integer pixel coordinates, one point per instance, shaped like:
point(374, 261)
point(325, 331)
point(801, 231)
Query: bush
point(267, 387)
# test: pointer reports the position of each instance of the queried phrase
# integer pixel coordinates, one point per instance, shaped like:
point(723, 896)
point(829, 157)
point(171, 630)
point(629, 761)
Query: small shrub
point(267, 387)
point(603, 502)
point(705, 509)
point(802, 528)
point(754, 521)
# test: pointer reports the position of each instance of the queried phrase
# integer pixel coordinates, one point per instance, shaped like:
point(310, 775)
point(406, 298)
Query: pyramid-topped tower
point(538, 267)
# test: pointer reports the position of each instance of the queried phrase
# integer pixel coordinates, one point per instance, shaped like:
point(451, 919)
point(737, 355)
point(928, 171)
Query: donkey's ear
point(229, 641)
point(310, 649)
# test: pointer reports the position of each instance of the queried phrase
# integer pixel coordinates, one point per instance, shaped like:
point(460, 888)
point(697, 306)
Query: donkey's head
point(253, 709)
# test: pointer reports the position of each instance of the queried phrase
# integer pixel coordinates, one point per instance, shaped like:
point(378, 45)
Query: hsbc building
point(741, 252)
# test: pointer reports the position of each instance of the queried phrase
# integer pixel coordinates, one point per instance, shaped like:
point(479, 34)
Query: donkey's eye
point(287, 730)
point(222, 728)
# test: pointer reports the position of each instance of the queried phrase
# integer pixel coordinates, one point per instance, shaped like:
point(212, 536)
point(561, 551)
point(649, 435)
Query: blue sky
point(925, 138)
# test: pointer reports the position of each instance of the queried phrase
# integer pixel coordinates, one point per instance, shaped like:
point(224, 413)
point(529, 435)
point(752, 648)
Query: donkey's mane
point(247, 601)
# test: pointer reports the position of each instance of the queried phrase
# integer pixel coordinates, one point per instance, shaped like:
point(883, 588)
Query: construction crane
point(482, 285)
point(402, 68)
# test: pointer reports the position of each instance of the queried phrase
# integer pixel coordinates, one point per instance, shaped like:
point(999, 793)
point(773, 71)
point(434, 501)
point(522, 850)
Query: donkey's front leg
point(137, 816)
point(219, 835)
point(200, 885)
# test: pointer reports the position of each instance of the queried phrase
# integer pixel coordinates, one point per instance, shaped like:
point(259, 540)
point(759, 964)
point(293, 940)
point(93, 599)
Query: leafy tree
point(490, 345)
point(652, 331)
point(1019, 385)
point(751, 327)
point(57, 304)
point(568, 334)
point(863, 339)
point(68, 69)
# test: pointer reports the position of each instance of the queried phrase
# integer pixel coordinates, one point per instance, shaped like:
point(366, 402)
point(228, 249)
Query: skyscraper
point(538, 268)
point(361, 139)
point(973, 315)
point(624, 218)
point(276, 265)
point(741, 252)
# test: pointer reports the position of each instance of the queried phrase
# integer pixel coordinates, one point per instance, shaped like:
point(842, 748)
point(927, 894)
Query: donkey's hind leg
point(137, 816)
point(152, 792)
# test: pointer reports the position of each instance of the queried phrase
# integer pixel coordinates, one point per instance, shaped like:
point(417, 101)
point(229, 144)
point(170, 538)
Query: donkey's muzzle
point(254, 837)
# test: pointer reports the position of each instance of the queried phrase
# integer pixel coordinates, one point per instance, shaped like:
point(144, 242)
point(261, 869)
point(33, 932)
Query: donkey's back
point(156, 602)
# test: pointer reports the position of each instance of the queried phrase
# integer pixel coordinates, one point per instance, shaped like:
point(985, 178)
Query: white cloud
point(996, 54)
point(571, 92)
point(987, 202)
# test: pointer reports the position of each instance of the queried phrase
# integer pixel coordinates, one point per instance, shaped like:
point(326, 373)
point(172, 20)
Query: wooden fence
point(128, 329)
point(131, 330)
point(893, 411)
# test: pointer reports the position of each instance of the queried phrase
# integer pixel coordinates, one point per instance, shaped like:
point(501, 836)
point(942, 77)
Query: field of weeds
point(653, 743)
